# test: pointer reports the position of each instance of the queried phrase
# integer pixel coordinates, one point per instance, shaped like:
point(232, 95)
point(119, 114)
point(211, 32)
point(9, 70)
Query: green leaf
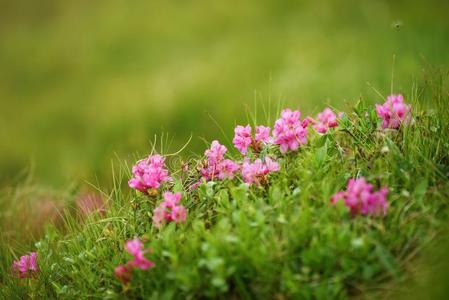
point(240, 193)
point(420, 190)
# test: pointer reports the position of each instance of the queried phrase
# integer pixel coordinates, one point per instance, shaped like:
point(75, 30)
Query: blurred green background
point(81, 81)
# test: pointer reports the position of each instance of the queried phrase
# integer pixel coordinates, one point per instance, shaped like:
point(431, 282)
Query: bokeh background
point(83, 82)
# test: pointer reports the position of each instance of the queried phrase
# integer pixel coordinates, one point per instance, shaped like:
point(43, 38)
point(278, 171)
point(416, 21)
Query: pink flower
point(256, 172)
point(217, 166)
point(216, 153)
point(33, 262)
point(169, 210)
point(21, 265)
point(360, 198)
point(139, 261)
point(123, 273)
point(394, 112)
point(171, 199)
point(26, 266)
point(149, 173)
point(289, 132)
point(242, 138)
point(290, 117)
point(134, 247)
point(209, 172)
point(251, 171)
point(178, 214)
point(262, 134)
point(227, 168)
point(306, 122)
point(270, 166)
point(327, 119)
point(320, 128)
point(158, 216)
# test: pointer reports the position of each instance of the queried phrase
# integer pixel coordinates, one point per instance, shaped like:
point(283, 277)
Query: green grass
point(284, 240)
point(81, 81)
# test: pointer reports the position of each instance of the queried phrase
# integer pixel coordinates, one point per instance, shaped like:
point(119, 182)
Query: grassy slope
point(285, 240)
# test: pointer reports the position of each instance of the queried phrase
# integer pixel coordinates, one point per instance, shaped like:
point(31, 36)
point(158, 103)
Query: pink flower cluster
point(149, 173)
point(243, 138)
point(169, 210)
point(256, 172)
point(135, 248)
point(360, 198)
point(326, 119)
point(289, 131)
point(393, 112)
point(217, 166)
point(26, 266)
